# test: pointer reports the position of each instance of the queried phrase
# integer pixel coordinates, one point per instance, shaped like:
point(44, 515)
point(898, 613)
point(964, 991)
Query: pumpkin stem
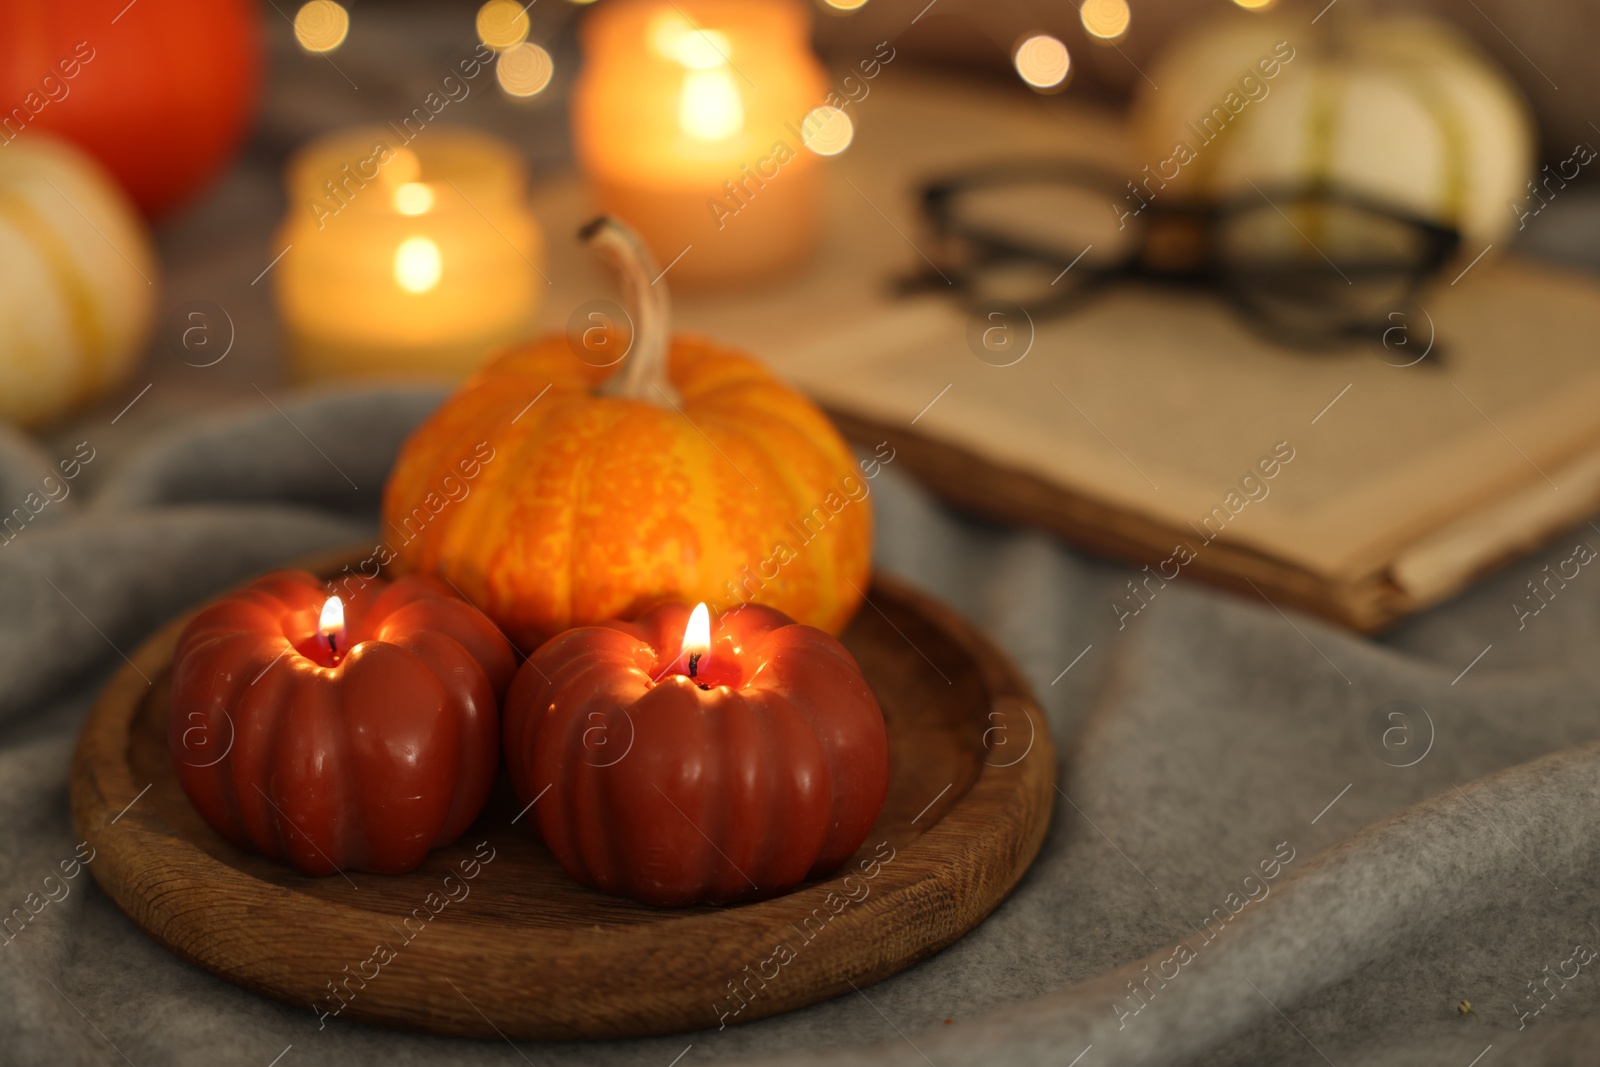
point(644, 374)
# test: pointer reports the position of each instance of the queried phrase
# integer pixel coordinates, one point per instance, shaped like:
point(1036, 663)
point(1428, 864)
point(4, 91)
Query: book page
point(1168, 406)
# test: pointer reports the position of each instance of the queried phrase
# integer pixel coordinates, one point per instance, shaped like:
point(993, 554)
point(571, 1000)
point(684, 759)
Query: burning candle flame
point(417, 264)
point(332, 622)
point(697, 635)
point(711, 108)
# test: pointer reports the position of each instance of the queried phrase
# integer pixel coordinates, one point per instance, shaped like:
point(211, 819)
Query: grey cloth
point(1224, 783)
point(1209, 737)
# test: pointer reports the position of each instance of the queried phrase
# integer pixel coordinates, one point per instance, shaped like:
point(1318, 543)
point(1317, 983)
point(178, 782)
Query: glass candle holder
point(690, 122)
point(405, 259)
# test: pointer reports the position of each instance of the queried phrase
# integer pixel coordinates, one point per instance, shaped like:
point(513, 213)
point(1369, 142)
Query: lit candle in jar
point(691, 119)
point(405, 259)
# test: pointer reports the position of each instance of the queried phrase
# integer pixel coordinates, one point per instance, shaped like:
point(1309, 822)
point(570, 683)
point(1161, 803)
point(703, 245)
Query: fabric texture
point(1231, 778)
point(1223, 786)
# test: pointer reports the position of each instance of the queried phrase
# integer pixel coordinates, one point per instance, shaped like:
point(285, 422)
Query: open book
point(1155, 427)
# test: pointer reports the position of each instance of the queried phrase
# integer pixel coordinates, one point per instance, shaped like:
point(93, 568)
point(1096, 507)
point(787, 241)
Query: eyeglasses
point(1307, 265)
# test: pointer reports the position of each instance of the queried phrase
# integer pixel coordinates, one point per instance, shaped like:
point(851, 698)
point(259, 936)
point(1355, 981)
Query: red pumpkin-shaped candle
point(678, 767)
point(335, 744)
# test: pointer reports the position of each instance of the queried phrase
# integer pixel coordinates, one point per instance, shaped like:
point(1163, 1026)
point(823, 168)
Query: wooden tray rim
point(962, 890)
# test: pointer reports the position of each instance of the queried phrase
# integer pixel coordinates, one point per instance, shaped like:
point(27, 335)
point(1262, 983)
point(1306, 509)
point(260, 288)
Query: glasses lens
point(1049, 217)
point(1031, 240)
point(1317, 266)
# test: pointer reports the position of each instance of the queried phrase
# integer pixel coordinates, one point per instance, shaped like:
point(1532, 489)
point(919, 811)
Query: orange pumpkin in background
point(554, 492)
point(159, 91)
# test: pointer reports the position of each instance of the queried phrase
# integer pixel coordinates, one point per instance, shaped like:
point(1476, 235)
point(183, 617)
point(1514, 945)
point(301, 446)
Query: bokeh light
point(1105, 19)
point(1255, 5)
point(413, 198)
point(417, 264)
point(321, 25)
point(845, 5)
point(702, 49)
point(1042, 61)
point(711, 107)
point(676, 38)
point(827, 130)
point(403, 166)
point(524, 70)
point(502, 24)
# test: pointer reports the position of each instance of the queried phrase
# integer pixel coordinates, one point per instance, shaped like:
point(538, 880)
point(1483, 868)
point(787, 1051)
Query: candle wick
point(333, 646)
point(694, 664)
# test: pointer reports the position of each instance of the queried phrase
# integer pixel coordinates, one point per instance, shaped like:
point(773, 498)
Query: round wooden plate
point(489, 935)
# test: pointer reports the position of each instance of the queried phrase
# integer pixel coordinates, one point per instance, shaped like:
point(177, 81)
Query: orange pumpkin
point(556, 493)
point(161, 92)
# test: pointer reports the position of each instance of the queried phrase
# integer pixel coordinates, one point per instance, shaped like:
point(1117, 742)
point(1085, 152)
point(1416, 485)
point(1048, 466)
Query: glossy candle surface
point(652, 787)
point(683, 105)
point(362, 754)
point(405, 259)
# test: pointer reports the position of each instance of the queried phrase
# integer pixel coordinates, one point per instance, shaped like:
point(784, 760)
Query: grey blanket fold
point(1275, 843)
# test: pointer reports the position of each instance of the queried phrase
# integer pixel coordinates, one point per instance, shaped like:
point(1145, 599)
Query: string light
point(1105, 19)
point(524, 70)
point(502, 24)
point(1042, 61)
point(321, 25)
point(827, 130)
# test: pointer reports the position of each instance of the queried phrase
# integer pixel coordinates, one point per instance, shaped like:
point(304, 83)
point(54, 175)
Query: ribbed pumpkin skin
point(363, 766)
point(1400, 107)
point(595, 507)
point(672, 795)
point(78, 279)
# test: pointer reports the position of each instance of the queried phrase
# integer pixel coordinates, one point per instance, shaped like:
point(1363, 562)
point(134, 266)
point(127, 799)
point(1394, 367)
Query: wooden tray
point(526, 952)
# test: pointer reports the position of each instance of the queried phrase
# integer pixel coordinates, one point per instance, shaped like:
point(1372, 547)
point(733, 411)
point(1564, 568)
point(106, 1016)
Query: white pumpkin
point(1401, 109)
point(77, 280)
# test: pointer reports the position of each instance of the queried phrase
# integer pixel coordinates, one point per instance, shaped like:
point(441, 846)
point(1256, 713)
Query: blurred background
point(188, 216)
point(263, 81)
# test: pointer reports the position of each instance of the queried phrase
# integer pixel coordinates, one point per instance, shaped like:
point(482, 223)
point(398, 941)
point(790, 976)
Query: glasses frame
point(1201, 222)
